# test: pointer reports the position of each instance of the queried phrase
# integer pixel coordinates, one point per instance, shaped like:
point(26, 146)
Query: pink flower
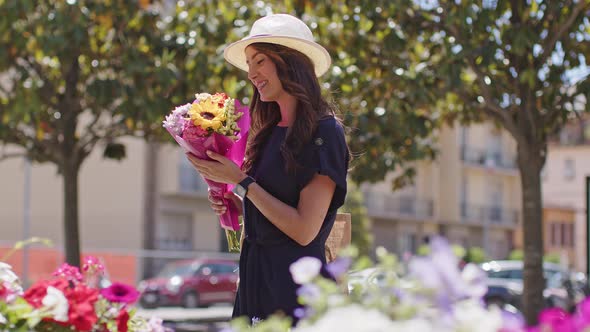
point(121, 293)
point(191, 131)
point(92, 265)
point(68, 272)
point(557, 320)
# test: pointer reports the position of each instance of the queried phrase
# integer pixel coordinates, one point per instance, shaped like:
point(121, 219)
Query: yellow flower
point(209, 113)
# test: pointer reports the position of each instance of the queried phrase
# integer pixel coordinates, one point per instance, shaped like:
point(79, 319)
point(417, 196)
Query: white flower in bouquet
point(57, 304)
point(177, 120)
point(305, 269)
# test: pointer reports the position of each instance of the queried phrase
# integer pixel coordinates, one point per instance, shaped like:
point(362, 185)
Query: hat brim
point(235, 52)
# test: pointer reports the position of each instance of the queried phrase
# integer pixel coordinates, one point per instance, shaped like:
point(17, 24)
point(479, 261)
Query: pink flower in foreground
point(556, 319)
point(92, 265)
point(68, 272)
point(121, 293)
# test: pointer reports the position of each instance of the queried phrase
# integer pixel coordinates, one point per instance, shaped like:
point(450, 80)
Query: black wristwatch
point(241, 189)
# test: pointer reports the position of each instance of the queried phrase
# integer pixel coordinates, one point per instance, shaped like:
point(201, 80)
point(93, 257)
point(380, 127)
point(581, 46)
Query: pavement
point(211, 319)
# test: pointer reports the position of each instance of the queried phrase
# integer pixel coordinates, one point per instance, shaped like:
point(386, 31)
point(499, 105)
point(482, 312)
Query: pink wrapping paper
point(233, 150)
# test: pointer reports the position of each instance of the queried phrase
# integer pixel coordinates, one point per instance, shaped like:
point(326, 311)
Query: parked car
point(191, 283)
point(563, 288)
point(366, 278)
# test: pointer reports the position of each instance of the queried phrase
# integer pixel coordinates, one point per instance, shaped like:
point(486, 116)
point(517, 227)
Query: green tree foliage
point(389, 123)
point(516, 254)
point(76, 76)
point(475, 255)
point(508, 61)
point(362, 238)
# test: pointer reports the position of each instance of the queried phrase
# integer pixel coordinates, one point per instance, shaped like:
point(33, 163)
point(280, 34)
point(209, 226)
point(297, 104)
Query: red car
point(191, 283)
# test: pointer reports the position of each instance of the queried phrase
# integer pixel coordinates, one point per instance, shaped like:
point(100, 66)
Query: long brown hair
point(296, 73)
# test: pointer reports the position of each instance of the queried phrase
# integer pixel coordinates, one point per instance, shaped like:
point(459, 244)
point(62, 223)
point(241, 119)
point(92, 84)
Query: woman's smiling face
point(262, 72)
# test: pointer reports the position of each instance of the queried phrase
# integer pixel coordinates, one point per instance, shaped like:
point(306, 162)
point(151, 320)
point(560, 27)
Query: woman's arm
point(302, 224)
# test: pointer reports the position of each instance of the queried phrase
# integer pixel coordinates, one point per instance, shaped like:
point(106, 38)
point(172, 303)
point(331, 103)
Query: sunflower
point(209, 113)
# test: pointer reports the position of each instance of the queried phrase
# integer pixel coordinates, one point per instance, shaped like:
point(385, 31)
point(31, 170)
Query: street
point(211, 319)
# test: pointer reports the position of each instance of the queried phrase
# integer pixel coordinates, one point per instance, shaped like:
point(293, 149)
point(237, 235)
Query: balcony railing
point(484, 158)
point(491, 215)
point(387, 205)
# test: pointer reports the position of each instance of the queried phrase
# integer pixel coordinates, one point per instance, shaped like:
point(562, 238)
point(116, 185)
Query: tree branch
point(553, 38)
point(494, 111)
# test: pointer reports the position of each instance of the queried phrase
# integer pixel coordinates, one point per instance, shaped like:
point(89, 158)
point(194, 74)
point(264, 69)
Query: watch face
point(240, 191)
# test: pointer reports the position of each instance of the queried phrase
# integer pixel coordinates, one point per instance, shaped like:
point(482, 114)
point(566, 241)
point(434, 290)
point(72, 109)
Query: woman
point(294, 175)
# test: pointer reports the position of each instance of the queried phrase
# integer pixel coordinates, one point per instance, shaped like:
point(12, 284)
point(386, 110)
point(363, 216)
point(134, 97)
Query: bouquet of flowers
point(220, 124)
point(71, 301)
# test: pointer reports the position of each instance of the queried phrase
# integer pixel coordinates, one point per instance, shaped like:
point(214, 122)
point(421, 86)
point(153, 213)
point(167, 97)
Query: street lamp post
point(26, 218)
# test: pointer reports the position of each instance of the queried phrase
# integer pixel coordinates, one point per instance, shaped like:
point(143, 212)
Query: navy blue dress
point(266, 285)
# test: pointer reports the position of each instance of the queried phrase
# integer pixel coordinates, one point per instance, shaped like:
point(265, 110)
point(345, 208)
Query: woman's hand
point(220, 169)
point(217, 204)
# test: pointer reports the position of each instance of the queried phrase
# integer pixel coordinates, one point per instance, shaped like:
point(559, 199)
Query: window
point(555, 234)
point(569, 169)
point(567, 235)
point(562, 234)
point(494, 148)
point(496, 189)
point(174, 232)
point(407, 243)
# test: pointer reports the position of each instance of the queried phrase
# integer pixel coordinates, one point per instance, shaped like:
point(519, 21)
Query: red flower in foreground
point(81, 300)
point(120, 293)
point(35, 294)
point(122, 320)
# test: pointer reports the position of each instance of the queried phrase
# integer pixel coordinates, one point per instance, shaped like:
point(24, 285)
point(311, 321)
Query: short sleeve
point(326, 154)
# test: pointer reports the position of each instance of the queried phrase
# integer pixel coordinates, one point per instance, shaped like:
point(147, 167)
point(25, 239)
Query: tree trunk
point(71, 232)
point(530, 162)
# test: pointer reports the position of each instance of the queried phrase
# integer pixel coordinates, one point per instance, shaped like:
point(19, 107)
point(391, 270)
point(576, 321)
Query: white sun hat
point(281, 29)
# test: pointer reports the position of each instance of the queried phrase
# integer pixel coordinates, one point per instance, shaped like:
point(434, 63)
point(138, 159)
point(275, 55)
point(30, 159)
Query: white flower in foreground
point(414, 325)
point(470, 315)
point(3, 319)
point(475, 281)
point(305, 269)
point(353, 318)
point(155, 324)
point(57, 304)
point(6, 273)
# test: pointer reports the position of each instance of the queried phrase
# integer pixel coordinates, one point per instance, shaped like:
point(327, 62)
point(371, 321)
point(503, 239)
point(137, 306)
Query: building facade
point(470, 194)
point(154, 199)
point(564, 197)
point(155, 184)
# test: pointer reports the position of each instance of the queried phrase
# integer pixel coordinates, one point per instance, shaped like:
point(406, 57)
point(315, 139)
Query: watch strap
point(246, 182)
